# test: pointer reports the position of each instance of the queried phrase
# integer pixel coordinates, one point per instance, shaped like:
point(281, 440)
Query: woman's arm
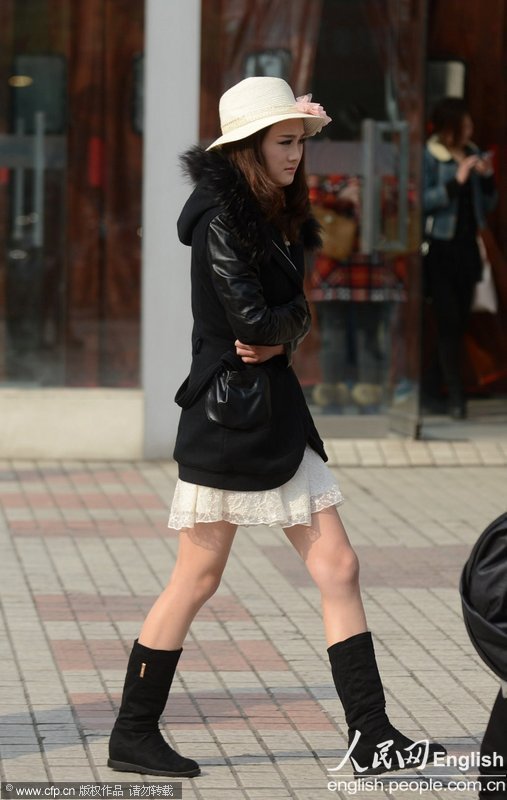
point(238, 286)
point(435, 194)
point(487, 183)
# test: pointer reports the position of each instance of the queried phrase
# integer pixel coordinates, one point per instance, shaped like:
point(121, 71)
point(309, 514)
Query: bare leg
point(202, 556)
point(333, 565)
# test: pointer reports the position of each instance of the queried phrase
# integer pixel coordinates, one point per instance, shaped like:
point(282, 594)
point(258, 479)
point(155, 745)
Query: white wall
point(71, 423)
point(171, 125)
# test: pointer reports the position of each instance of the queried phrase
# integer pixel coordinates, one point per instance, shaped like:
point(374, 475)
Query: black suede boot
point(136, 743)
point(380, 747)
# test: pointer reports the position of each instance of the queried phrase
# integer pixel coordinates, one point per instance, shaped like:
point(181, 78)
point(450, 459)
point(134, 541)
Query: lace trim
point(310, 490)
point(187, 519)
point(333, 497)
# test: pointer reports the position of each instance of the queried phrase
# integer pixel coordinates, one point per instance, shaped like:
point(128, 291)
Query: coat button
point(197, 346)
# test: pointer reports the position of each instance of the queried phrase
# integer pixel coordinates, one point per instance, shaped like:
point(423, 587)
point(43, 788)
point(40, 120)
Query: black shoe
point(458, 411)
point(148, 753)
point(377, 746)
point(437, 407)
point(136, 743)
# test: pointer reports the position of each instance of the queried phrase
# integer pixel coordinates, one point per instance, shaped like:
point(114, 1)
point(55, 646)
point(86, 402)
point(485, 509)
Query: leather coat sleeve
point(238, 285)
point(291, 347)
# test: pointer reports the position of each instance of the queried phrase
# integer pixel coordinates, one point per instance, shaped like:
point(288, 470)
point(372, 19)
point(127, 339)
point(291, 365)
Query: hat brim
point(312, 125)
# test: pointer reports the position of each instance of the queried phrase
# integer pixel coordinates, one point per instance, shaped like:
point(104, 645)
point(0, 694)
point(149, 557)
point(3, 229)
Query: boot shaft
point(147, 684)
point(358, 684)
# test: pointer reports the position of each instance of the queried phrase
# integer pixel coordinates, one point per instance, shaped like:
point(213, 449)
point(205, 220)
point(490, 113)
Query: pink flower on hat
point(303, 104)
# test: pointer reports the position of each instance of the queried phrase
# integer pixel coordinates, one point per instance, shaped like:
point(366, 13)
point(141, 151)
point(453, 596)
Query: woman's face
point(282, 149)
point(467, 129)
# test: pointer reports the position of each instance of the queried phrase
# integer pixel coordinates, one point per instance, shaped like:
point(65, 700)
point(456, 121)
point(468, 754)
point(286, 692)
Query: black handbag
point(239, 399)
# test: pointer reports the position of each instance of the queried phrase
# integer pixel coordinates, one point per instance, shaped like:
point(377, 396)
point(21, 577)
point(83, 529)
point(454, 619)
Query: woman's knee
point(202, 556)
point(194, 587)
point(207, 585)
point(337, 572)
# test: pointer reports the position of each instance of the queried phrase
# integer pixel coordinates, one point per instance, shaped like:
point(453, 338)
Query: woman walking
point(247, 448)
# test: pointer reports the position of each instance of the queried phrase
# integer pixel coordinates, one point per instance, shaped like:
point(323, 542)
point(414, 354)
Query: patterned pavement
point(85, 551)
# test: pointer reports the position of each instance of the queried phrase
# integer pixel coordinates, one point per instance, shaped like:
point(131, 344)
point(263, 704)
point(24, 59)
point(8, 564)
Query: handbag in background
point(485, 297)
point(338, 233)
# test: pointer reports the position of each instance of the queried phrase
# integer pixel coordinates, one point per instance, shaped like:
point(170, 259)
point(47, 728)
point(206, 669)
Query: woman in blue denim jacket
point(459, 190)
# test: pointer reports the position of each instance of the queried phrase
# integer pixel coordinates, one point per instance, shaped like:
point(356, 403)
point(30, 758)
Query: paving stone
point(253, 698)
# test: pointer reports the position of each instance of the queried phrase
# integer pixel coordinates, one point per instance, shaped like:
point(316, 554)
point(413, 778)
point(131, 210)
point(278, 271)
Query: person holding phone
point(458, 192)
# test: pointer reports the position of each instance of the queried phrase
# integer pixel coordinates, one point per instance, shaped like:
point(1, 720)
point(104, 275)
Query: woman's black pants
point(451, 271)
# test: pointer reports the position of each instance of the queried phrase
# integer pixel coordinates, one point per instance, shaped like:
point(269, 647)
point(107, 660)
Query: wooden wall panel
point(233, 29)
point(123, 159)
point(6, 18)
point(212, 54)
point(477, 33)
point(105, 190)
point(85, 134)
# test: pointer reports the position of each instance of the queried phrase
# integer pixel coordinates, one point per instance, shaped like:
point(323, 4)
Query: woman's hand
point(257, 353)
point(465, 167)
point(484, 165)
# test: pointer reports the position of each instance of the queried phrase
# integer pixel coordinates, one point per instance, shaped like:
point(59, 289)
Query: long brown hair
point(286, 207)
point(448, 117)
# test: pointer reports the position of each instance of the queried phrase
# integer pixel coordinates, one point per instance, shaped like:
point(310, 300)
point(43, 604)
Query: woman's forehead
point(288, 127)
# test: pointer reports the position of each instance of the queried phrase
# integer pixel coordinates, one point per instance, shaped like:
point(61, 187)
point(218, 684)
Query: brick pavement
point(85, 550)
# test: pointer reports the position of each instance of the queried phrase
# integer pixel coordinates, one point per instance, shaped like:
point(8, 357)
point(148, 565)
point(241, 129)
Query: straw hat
point(257, 103)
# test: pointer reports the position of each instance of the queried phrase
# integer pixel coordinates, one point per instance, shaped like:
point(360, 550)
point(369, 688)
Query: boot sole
point(125, 766)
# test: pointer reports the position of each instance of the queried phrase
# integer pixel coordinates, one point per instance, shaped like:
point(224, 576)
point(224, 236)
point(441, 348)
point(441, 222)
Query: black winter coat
point(244, 287)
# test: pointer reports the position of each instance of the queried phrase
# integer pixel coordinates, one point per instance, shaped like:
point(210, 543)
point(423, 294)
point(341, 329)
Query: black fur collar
point(218, 177)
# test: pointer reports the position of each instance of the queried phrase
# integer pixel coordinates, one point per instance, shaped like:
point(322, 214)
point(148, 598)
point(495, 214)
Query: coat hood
point(220, 186)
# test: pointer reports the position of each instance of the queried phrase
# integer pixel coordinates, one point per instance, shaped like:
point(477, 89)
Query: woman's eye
point(290, 141)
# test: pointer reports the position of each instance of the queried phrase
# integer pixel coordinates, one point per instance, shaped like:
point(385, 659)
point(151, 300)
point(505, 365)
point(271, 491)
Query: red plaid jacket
point(361, 277)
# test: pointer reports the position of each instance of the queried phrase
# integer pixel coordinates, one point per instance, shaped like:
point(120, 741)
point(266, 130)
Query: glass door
point(361, 366)
point(70, 192)
point(33, 159)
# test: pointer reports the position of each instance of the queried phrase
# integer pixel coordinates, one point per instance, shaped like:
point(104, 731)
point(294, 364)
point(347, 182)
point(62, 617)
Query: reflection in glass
point(70, 192)
point(363, 61)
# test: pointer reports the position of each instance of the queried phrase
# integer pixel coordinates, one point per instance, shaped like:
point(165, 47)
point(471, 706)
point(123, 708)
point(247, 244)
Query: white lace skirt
point(311, 489)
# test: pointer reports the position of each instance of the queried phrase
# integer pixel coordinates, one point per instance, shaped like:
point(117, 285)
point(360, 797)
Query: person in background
point(458, 191)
